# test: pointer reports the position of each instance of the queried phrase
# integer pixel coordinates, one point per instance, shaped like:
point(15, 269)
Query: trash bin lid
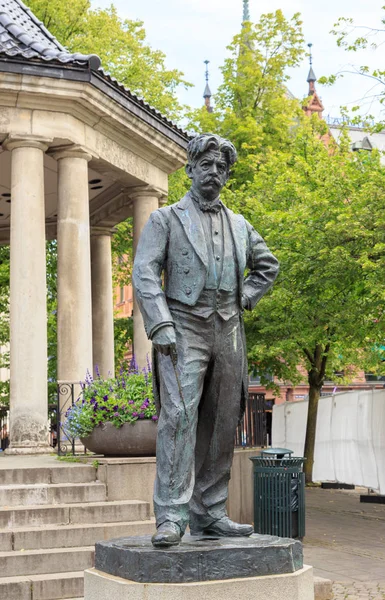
point(278, 452)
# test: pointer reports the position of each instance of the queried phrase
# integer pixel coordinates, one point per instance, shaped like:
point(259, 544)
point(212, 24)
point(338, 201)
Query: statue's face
point(209, 174)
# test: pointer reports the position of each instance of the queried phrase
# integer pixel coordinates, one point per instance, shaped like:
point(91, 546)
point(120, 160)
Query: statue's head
point(210, 158)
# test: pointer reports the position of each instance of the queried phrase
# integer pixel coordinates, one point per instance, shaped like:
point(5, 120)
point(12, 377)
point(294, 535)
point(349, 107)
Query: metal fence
point(67, 394)
point(4, 429)
point(252, 431)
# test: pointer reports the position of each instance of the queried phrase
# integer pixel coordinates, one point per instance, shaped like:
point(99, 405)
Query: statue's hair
point(210, 141)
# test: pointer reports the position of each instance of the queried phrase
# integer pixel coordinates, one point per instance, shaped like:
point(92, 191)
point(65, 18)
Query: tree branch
point(324, 360)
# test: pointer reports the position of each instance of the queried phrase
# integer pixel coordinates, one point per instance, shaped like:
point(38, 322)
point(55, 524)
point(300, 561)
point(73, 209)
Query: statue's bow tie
point(214, 207)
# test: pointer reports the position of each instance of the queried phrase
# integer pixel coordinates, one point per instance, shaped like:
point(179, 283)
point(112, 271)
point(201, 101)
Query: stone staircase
point(50, 519)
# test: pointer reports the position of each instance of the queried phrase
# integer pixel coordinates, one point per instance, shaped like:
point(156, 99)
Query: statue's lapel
point(239, 238)
point(188, 215)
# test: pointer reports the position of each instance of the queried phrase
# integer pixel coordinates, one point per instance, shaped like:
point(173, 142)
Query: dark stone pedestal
point(198, 559)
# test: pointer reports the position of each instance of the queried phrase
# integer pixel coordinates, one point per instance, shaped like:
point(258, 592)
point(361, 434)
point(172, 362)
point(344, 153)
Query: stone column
point(102, 302)
point(28, 305)
point(74, 266)
point(144, 203)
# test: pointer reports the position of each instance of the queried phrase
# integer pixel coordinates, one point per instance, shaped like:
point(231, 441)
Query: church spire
point(207, 93)
point(311, 78)
point(313, 104)
point(246, 11)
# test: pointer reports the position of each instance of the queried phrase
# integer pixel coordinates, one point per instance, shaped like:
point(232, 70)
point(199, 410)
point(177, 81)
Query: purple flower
point(154, 418)
point(116, 414)
point(116, 407)
point(97, 372)
point(93, 400)
point(141, 416)
point(105, 397)
point(131, 402)
point(134, 414)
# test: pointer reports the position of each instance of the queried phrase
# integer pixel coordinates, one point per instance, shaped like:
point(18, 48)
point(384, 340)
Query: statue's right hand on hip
point(164, 340)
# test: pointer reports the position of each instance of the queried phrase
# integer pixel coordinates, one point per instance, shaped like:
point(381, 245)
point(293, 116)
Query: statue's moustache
point(211, 180)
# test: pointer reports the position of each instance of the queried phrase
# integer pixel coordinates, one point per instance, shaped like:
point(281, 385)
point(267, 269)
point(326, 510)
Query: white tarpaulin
point(350, 437)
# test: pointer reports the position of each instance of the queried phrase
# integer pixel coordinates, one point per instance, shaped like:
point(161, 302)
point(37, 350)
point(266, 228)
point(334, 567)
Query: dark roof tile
point(22, 34)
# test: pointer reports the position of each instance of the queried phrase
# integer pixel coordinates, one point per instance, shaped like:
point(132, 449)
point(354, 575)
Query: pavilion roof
point(25, 39)
point(23, 35)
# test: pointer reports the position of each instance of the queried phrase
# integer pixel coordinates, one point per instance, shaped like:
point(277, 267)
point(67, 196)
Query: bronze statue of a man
point(194, 320)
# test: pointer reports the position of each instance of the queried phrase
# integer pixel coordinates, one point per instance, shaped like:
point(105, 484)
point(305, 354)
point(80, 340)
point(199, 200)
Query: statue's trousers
point(195, 444)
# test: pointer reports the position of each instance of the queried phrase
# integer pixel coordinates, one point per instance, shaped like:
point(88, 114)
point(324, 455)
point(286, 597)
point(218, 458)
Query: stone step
point(42, 587)
point(53, 560)
point(65, 514)
point(68, 493)
point(70, 536)
point(74, 473)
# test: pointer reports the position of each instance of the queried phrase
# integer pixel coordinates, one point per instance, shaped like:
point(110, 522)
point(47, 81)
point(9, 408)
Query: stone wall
point(133, 479)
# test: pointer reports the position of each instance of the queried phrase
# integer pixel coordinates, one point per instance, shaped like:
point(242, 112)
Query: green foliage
point(179, 184)
point(68, 459)
point(320, 209)
point(320, 213)
point(4, 321)
point(306, 198)
point(252, 107)
point(120, 43)
point(123, 336)
point(122, 252)
point(51, 262)
point(125, 399)
point(353, 38)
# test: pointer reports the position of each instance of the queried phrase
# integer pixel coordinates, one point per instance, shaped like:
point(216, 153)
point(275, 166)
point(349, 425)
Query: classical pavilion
point(79, 153)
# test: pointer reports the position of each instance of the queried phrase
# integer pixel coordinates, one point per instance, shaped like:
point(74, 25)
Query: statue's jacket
point(173, 246)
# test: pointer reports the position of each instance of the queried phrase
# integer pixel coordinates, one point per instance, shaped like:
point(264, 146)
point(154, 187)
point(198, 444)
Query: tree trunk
point(314, 396)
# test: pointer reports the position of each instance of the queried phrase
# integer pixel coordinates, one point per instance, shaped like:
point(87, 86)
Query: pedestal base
point(291, 586)
point(198, 558)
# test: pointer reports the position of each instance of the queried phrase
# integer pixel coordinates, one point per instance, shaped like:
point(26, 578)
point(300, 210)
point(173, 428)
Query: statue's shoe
point(224, 527)
point(167, 534)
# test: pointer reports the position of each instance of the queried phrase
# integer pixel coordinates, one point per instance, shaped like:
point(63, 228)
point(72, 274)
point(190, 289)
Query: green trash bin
point(279, 493)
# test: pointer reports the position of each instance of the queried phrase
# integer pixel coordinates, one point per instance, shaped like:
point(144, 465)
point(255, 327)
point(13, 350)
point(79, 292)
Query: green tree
point(318, 207)
point(320, 212)
point(253, 107)
point(353, 38)
point(120, 43)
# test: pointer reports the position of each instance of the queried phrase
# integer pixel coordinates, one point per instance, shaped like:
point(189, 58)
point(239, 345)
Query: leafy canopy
point(121, 45)
point(354, 38)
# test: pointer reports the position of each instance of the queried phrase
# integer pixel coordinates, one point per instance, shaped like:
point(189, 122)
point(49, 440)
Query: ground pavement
point(345, 542)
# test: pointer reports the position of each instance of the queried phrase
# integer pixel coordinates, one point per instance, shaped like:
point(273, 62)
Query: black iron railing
point(252, 431)
point(67, 395)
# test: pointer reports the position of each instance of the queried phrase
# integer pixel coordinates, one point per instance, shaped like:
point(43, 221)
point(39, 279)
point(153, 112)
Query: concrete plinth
point(198, 558)
point(292, 586)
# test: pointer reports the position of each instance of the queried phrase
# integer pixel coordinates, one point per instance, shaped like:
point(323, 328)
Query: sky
point(191, 31)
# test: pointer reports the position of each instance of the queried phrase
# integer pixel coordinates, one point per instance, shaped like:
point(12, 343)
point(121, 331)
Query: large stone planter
point(132, 439)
